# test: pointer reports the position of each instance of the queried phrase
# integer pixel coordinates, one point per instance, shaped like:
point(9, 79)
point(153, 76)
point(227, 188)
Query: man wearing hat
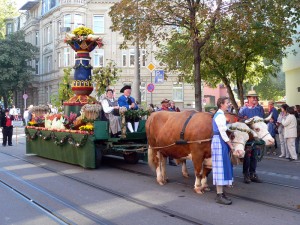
point(7, 128)
point(250, 161)
point(127, 101)
point(164, 105)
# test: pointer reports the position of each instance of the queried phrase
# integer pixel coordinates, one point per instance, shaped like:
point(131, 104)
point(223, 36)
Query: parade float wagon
point(79, 136)
point(86, 148)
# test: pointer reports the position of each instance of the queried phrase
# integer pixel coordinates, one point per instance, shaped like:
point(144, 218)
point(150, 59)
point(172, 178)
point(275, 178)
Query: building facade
point(46, 22)
point(291, 67)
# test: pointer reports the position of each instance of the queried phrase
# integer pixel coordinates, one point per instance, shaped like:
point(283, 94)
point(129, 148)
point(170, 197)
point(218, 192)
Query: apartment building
point(46, 22)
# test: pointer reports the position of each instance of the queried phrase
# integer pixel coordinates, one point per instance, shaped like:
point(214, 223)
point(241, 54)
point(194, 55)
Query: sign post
point(16, 124)
point(25, 96)
point(151, 67)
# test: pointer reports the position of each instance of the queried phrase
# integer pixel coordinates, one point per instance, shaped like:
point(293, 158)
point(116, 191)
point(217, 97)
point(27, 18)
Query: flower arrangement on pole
point(83, 38)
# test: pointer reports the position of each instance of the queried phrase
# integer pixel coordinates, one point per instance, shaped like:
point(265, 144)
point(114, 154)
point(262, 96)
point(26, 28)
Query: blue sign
point(150, 87)
point(159, 76)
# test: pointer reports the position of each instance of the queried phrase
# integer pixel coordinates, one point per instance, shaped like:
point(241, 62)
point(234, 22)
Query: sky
point(20, 3)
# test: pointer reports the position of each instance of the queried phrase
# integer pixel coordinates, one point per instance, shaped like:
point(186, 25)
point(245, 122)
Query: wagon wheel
point(99, 155)
point(131, 158)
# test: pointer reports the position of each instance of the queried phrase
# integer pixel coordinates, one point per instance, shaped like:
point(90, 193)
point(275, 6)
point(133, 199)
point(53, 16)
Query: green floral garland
point(68, 138)
point(132, 114)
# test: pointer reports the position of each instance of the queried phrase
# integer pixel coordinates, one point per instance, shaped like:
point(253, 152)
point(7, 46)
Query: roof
point(28, 5)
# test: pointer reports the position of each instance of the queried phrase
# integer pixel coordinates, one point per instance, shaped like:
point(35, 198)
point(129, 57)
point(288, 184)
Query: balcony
point(61, 2)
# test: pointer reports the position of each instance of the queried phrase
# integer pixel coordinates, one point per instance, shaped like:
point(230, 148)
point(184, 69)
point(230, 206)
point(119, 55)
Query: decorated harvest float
point(79, 135)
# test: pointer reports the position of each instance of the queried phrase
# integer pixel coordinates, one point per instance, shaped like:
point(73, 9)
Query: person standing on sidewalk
point(290, 132)
point(283, 146)
point(7, 128)
point(250, 160)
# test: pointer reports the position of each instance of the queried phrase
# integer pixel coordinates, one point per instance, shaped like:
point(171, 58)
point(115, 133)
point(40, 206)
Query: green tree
point(153, 19)
point(15, 71)
point(247, 43)
point(8, 10)
point(64, 91)
point(103, 77)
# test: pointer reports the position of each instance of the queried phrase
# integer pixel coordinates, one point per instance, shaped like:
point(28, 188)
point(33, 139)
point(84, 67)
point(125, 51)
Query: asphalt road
point(35, 190)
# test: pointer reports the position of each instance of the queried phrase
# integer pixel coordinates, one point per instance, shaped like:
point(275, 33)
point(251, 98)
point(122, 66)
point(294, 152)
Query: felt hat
point(165, 101)
point(125, 88)
point(251, 93)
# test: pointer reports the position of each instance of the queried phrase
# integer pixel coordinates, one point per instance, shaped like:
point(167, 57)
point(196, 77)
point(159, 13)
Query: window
point(59, 27)
point(37, 38)
point(66, 57)
point(47, 35)
point(143, 57)
point(36, 66)
point(67, 20)
point(98, 24)
point(9, 28)
point(58, 59)
point(98, 57)
point(131, 57)
point(124, 58)
point(143, 91)
point(49, 64)
point(177, 91)
point(77, 20)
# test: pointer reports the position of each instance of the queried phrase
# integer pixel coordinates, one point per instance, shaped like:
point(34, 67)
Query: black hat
point(125, 88)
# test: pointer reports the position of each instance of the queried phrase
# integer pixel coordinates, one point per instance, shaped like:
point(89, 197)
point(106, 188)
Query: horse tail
point(151, 158)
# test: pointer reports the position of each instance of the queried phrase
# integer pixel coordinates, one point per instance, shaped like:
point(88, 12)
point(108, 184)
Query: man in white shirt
point(111, 110)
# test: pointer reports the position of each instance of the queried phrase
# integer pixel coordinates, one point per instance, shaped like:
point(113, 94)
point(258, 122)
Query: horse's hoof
point(162, 182)
point(198, 190)
point(206, 189)
point(186, 175)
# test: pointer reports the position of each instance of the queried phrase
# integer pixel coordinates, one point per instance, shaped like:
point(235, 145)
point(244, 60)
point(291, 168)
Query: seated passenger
point(111, 111)
point(127, 101)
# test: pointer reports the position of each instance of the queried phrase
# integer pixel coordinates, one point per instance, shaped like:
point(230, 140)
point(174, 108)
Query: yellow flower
point(82, 31)
point(88, 127)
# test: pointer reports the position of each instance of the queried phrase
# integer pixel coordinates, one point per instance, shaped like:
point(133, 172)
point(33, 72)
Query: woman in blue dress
point(221, 147)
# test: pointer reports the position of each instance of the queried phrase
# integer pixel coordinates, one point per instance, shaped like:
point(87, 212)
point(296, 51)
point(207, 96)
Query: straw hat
point(251, 93)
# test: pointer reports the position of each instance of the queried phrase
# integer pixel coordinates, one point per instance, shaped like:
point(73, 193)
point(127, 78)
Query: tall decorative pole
point(82, 41)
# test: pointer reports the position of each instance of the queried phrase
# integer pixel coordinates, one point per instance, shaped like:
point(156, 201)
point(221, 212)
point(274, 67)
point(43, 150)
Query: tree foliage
point(64, 91)
point(8, 10)
point(248, 42)
point(154, 19)
point(15, 70)
point(103, 77)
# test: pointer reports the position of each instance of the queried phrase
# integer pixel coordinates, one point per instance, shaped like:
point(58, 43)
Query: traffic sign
point(151, 67)
point(150, 87)
point(25, 96)
point(159, 76)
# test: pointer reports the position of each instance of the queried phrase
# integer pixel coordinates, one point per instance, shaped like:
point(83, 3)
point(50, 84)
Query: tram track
point(237, 196)
point(163, 210)
point(61, 220)
point(168, 212)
